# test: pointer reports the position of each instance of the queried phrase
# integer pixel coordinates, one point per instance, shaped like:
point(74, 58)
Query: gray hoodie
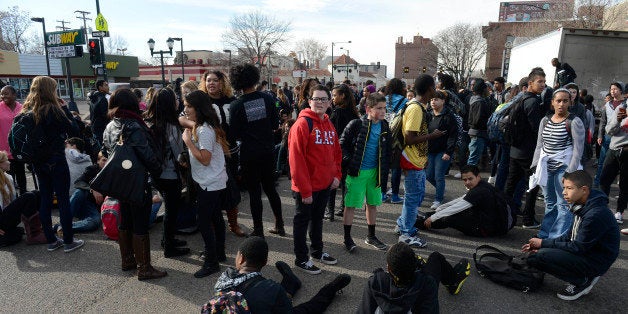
point(614, 129)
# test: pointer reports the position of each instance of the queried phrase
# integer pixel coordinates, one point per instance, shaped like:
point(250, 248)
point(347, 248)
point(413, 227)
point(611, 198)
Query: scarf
point(127, 114)
point(231, 278)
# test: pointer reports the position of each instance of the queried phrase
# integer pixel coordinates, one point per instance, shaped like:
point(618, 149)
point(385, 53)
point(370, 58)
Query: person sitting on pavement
point(77, 160)
point(481, 212)
point(85, 203)
point(265, 295)
point(410, 284)
point(589, 249)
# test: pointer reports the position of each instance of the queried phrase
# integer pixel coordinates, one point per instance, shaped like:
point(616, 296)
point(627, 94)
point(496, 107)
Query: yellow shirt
point(414, 157)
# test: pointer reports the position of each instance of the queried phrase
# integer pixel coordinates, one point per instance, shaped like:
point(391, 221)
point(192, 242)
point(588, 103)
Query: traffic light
point(94, 51)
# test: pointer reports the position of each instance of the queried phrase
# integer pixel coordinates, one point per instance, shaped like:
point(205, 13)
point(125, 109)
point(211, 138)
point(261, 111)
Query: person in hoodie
point(410, 284)
point(479, 112)
point(587, 251)
point(395, 102)
point(265, 295)
point(85, 203)
point(440, 150)
point(314, 156)
point(98, 111)
point(77, 160)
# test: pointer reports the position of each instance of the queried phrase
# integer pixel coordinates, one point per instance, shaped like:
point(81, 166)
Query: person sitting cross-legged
point(588, 250)
point(265, 295)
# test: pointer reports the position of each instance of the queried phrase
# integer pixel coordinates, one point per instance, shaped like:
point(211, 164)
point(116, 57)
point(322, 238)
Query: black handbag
point(124, 175)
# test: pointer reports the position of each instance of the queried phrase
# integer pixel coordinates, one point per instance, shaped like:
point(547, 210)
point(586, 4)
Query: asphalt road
point(90, 280)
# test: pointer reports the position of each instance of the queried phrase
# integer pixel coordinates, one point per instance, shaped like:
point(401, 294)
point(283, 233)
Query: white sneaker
point(619, 217)
point(491, 180)
point(414, 242)
point(435, 205)
point(624, 231)
point(458, 175)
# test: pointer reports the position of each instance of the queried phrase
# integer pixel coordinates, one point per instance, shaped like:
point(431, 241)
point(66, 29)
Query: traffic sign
point(299, 73)
point(62, 52)
point(100, 34)
point(101, 23)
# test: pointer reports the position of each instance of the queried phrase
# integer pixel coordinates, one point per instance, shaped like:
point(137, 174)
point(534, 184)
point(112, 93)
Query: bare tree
point(313, 50)
point(115, 45)
point(254, 34)
point(460, 48)
point(13, 26)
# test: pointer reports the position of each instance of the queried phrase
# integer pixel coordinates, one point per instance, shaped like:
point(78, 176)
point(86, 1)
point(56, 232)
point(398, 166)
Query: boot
point(210, 266)
point(33, 229)
point(279, 229)
point(171, 250)
point(220, 253)
point(141, 247)
point(232, 217)
point(125, 241)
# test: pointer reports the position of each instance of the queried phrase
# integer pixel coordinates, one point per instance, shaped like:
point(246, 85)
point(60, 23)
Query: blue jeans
point(600, 160)
point(54, 177)
point(558, 218)
point(435, 173)
point(476, 149)
point(414, 185)
point(85, 209)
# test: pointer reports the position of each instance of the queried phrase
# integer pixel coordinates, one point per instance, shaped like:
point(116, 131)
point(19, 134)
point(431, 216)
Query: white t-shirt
point(214, 176)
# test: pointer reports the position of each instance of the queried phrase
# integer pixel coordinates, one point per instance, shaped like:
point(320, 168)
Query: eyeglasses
point(319, 99)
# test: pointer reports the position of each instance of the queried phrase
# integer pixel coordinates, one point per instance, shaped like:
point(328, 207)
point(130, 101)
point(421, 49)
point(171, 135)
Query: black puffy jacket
point(353, 144)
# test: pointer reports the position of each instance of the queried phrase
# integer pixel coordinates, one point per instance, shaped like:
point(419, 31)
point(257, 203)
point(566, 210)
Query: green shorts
point(365, 184)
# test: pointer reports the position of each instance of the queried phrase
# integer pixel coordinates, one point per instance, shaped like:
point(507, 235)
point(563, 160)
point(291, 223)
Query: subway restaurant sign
point(71, 37)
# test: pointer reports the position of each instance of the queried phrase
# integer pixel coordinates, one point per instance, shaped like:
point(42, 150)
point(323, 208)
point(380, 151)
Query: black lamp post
point(332, 56)
point(43, 23)
point(151, 46)
point(182, 62)
point(229, 52)
point(269, 66)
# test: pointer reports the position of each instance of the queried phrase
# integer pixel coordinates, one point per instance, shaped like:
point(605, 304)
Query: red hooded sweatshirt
point(314, 156)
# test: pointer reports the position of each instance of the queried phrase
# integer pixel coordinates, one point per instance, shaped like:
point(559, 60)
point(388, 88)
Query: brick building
point(419, 55)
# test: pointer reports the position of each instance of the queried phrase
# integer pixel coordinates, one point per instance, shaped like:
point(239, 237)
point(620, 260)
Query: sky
point(372, 26)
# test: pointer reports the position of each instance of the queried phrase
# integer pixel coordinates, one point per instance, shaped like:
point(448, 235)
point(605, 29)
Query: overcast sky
point(372, 25)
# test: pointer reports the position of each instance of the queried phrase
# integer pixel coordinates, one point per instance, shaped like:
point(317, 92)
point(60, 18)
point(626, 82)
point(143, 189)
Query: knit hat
point(370, 88)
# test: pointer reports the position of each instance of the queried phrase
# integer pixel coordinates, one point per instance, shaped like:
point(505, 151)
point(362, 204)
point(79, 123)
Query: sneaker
point(396, 199)
point(624, 231)
point(67, 248)
point(531, 225)
point(414, 242)
point(619, 217)
point(385, 198)
point(350, 245)
point(55, 245)
point(435, 205)
point(462, 271)
point(376, 243)
point(458, 175)
point(389, 192)
point(340, 212)
point(327, 259)
point(491, 180)
point(397, 230)
point(573, 292)
point(309, 267)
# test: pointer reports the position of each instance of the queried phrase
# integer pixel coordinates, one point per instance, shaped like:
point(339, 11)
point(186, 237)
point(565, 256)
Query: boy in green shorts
point(366, 150)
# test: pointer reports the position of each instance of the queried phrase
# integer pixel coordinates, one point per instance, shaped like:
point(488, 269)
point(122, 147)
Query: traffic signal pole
point(102, 48)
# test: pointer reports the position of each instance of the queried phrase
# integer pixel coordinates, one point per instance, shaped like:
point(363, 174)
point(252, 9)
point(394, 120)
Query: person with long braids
point(207, 145)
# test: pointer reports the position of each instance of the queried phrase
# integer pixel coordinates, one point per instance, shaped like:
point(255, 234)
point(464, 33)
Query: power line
point(85, 19)
point(62, 27)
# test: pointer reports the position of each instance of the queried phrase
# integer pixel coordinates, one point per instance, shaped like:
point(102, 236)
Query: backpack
point(397, 140)
point(506, 270)
point(27, 141)
point(226, 302)
point(514, 123)
point(110, 216)
point(495, 133)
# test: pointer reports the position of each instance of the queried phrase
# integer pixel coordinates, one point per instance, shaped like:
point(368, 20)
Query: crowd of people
point(199, 145)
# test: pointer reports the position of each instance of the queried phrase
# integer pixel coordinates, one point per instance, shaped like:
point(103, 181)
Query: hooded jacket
point(594, 234)
point(381, 292)
point(479, 113)
point(98, 113)
point(353, 142)
point(314, 155)
point(261, 294)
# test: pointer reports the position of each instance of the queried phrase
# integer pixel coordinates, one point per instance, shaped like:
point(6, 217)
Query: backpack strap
point(310, 123)
point(396, 108)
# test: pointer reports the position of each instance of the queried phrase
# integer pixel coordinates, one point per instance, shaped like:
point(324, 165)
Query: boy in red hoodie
point(314, 156)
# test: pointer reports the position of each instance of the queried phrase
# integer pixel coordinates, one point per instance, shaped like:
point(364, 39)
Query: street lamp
point(269, 66)
point(182, 62)
point(229, 52)
point(122, 50)
point(332, 56)
point(151, 46)
point(43, 23)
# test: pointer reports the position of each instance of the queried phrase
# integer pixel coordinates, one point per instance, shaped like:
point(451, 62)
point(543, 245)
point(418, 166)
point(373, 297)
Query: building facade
point(414, 58)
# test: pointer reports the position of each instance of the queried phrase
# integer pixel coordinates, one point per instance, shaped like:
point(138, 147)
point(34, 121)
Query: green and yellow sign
point(71, 37)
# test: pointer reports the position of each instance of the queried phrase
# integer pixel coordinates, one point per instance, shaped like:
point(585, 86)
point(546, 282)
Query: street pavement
point(90, 280)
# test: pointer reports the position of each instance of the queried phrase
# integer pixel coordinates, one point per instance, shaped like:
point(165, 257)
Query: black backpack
point(514, 123)
point(28, 142)
point(507, 270)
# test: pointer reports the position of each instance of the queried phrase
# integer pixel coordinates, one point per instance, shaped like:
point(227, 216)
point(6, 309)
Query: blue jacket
point(394, 103)
point(596, 234)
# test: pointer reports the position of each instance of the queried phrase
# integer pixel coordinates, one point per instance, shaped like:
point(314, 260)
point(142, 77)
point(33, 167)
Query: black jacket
point(262, 295)
point(534, 111)
point(340, 118)
point(58, 129)
point(479, 113)
point(444, 122)
point(252, 119)
point(381, 292)
point(98, 113)
point(353, 143)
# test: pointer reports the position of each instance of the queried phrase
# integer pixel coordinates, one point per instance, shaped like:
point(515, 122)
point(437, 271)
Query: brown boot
point(34, 231)
point(141, 247)
point(232, 217)
point(125, 240)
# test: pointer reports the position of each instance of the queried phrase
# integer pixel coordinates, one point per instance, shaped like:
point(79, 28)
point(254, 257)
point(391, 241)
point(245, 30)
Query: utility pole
point(62, 27)
point(102, 47)
point(85, 19)
point(68, 72)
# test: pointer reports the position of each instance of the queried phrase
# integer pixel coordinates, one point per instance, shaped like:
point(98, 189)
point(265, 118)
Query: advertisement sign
point(70, 37)
point(525, 11)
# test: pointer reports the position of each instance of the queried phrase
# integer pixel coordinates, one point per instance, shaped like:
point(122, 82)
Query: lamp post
point(268, 65)
point(332, 56)
point(121, 50)
point(43, 23)
point(229, 52)
point(182, 62)
point(151, 46)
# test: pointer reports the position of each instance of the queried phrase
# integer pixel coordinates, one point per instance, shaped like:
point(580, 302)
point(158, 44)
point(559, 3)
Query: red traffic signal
point(94, 51)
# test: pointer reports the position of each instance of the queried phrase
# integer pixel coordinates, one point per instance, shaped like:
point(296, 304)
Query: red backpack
point(110, 216)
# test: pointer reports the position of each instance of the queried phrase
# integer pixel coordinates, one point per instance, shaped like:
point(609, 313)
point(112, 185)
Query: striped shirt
point(555, 139)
